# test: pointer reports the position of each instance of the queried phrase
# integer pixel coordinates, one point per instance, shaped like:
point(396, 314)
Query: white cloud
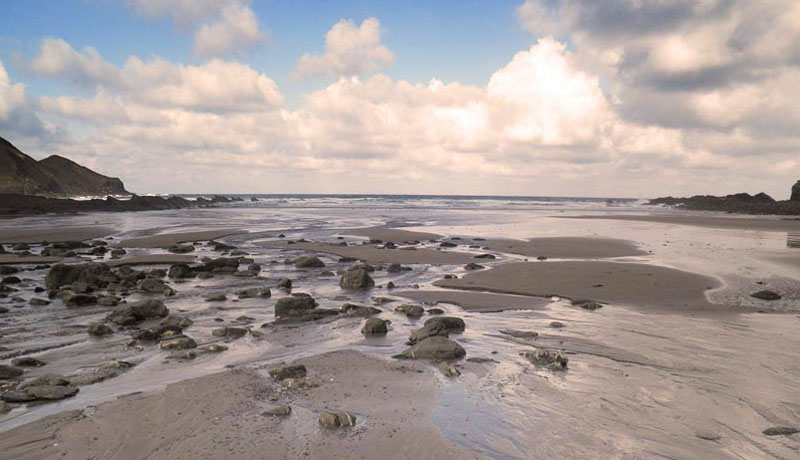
point(12, 95)
point(220, 27)
point(349, 50)
point(57, 58)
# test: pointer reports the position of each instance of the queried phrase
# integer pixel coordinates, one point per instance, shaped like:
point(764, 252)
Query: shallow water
point(639, 385)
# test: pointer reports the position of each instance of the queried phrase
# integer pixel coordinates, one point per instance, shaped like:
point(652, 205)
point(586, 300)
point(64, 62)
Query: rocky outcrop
point(743, 203)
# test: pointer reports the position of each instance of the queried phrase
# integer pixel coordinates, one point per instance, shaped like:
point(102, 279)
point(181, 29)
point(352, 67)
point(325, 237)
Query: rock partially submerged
point(587, 304)
point(550, 359)
point(781, 430)
point(136, 312)
point(374, 326)
point(9, 372)
point(357, 278)
point(350, 309)
point(99, 330)
point(295, 305)
point(308, 262)
point(766, 295)
point(48, 387)
point(434, 348)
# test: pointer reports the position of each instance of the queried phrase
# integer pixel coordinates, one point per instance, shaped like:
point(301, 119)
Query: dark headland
point(742, 203)
point(28, 186)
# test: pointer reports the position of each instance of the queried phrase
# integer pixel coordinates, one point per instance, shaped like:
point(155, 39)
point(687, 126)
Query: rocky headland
point(742, 203)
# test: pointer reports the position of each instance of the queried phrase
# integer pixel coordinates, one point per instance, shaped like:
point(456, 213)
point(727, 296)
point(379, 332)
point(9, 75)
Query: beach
point(664, 351)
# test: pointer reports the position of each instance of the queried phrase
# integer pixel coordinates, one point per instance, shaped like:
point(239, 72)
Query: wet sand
point(475, 301)
point(52, 234)
point(374, 255)
point(169, 239)
point(641, 285)
point(700, 219)
point(567, 247)
point(11, 259)
point(388, 234)
point(189, 420)
point(153, 259)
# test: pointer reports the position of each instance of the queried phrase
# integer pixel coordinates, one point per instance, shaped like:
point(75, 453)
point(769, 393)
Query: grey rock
point(412, 311)
point(781, 430)
point(766, 295)
point(473, 266)
point(133, 313)
point(229, 332)
point(434, 348)
point(356, 279)
point(551, 359)
point(350, 309)
point(330, 420)
point(181, 271)
point(308, 262)
point(278, 411)
point(587, 304)
point(99, 330)
point(9, 372)
point(288, 372)
point(451, 323)
point(28, 361)
point(520, 334)
point(296, 304)
point(179, 343)
point(250, 293)
point(374, 326)
point(429, 330)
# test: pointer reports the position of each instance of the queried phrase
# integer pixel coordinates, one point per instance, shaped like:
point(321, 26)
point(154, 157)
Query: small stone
point(308, 262)
point(216, 297)
point(229, 332)
point(766, 295)
point(330, 420)
point(781, 431)
point(179, 343)
point(37, 302)
point(278, 411)
point(412, 311)
point(28, 361)
point(356, 279)
point(9, 372)
point(473, 266)
point(590, 305)
point(557, 324)
point(285, 372)
point(551, 359)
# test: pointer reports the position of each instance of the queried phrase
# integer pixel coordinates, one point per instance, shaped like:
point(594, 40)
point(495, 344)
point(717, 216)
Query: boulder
point(429, 330)
point(451, 323)
point(308, 262)
point(351, 309)
point(222, 264)
point(229, 332)
point(586, 304)
point(296, 304)
point(50, 392)
point(434, 348)
point(99, 330)
point(180, 271)
point(781, 430)
point(176, 321)
point(357, 278)
point(11, 280)
point(80, 300)
point(330, 420)
point(28, 361)
point(550, 359)
point(133, 313)
point(284, 283)
point(93, 274)
point(9, 372)
point(37, 302)
point(288, 372)
point(766, 295)
point(397, 268)
point(181, 249)
point(412, 311)
point(434, 311)
point(374, 326)
point(473, 266)
point(154, 286)
point(216, 297)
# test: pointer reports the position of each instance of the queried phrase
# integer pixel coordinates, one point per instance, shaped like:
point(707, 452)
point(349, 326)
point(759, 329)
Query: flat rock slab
point(476, 301)
point(371, 254)
point(630, 284)
point(169, 239)
point(52, 234)
point(567, 247)
point(152, 259)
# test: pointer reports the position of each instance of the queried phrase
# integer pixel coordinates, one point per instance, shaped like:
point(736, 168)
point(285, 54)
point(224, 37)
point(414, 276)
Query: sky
point(620, 98)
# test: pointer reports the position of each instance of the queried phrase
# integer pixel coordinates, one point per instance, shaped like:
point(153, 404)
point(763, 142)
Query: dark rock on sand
point(216, 297)
point(9, 372)
point(766, 295)
point(93, 274)
point(397, 268)
point(447, 244)
point(557, 324)
point(11, 280)
point(434, 311)
point(374, 326)
point(308, 262)
point(434, 348)
point(288, 372)
point(550, 359)
point(781, 430)
point(37, 302)
point(485, 256)
point(154, 286)
point(330, 420)
point(99, 330)
point(133, 313)
point(28, 361)
point(80, 300)
point(473, 266)
point(296, 304)
point(451, 323)
point(351, 309)
point(181, 248)
point(357, 278)
point(284, 283)
point(222, 264)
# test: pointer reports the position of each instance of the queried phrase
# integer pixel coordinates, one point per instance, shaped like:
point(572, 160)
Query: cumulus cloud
point(220, 27)
point(17, 119)
point(349, 50)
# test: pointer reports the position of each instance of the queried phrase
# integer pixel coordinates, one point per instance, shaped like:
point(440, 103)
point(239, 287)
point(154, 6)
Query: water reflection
point(793, 240)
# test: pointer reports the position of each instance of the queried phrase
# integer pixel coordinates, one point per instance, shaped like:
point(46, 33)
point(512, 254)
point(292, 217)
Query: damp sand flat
point(567, 247)
point(52, 234)
point(371, 254)
point(631, 284)
point(169, 239)
point(704, 220)
point(476, 301)
point(394, 235)
point(189, 420)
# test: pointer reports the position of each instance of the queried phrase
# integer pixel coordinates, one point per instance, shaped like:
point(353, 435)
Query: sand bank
point(188, 420)
point(372, 254)
point(169, 239)
point(476, 301)
point(630, 284)
point(10, 259)
point(567, 247)
point(704, 220)
point(153, 259)
point(52, 235)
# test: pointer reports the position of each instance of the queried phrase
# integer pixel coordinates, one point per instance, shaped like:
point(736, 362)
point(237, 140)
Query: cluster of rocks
point(744, 203)
point(49, 387)
point(15, 204)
